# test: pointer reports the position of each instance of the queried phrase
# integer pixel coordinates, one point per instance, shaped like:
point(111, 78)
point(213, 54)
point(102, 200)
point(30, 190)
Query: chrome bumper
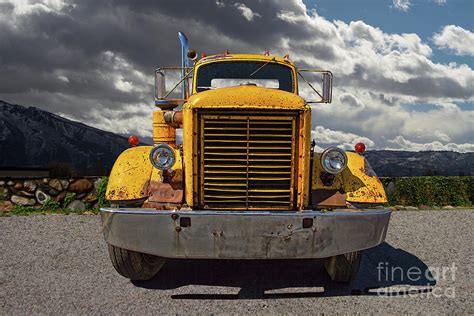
point(244, 235)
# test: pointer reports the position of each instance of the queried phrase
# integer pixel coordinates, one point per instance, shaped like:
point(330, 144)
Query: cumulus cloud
point(326, 136)
point(402, 5)
point(402, 144)
point(25, 7)
point(456, 39)
point(94, 63)
point(247, 12)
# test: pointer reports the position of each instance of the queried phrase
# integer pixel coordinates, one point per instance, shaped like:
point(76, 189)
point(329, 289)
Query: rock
point(97, 183)
point(2, 183)
point(3, 193)
point(45, 180)
point(88, 213)
point(41, 196)
point(424, 207)
point(10, 183)
point(12, 190)
point(399, 207)
point(390, 187)
point(18, 185)
point(91, 197)
point(23, 201)
point(49, 190)
point(7, 205)
point(448, 207)
point(81, 196)
point(24, 193)
point(30, 185)
point(411, 208)
point(80, 186)
point(55, 184)
point(64, 184)
point(76, 206)
point(393, 209)
point(61, 196)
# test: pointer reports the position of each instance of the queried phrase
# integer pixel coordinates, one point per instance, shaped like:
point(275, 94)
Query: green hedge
point(431, 191)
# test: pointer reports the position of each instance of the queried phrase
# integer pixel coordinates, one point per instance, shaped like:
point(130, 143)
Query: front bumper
point(244, 235)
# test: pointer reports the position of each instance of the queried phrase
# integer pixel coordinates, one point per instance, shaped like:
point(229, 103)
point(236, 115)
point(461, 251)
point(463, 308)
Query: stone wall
point(80, 192)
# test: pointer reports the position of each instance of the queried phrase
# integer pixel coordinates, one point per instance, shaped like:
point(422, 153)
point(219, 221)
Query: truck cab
point(244, 183)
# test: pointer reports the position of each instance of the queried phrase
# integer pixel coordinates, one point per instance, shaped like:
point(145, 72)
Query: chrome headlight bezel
point(166, 151)
point(332, 153)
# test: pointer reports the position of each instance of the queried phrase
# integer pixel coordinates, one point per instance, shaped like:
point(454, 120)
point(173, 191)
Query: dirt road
point(58, 264)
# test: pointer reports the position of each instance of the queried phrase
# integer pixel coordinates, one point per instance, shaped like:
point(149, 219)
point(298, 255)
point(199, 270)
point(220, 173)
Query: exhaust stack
point(184, 62)
point(165, 122)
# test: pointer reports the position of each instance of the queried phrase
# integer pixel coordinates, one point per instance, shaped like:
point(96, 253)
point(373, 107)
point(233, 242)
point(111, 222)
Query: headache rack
point(247, 162)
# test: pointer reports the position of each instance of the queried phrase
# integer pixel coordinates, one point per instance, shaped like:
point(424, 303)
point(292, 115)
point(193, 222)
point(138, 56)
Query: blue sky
point(424, 17)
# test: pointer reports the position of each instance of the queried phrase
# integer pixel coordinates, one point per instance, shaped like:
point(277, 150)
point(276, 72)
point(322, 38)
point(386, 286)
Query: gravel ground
point(59, 264)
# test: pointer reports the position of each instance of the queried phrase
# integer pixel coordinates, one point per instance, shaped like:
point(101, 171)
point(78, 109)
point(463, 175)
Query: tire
point(133, 265)
point(343, 268)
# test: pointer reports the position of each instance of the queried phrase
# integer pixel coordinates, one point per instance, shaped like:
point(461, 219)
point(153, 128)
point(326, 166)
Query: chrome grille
point(246, 162)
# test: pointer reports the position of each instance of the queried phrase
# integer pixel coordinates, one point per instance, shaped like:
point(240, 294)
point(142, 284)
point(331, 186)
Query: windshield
point(234, 73)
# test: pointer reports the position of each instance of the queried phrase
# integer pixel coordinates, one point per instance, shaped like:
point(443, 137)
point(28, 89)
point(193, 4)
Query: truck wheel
point(135, 265)
point(343, 268)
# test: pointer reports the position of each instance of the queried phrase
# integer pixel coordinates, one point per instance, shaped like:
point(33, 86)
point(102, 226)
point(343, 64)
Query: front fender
point(352, 185)
point(130, 172)
point(133, 177)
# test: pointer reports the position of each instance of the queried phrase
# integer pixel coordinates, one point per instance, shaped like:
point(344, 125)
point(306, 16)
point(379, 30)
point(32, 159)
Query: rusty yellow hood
point(246, 97)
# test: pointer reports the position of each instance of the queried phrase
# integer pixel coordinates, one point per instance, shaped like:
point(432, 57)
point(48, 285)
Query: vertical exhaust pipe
point(184, 62)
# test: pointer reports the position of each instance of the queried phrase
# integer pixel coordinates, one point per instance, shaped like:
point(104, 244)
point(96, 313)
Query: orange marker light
point(359, 148)
point(133, 140)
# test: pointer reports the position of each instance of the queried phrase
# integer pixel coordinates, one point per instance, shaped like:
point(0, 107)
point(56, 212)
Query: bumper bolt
point(174, 216)
point(178, 229)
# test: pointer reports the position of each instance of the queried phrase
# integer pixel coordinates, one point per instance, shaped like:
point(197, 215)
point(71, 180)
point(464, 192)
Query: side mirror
point(327, 87)
point(161, 95)
point(160, 85)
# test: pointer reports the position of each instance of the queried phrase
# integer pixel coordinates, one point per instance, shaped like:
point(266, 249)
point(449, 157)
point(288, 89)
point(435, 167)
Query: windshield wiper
point(258, 69)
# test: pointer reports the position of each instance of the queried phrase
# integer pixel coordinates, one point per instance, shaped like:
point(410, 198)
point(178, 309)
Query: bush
point(101, 188)
point(68, 199)
point(23, 210)
point(431, 191)
point(50, 206)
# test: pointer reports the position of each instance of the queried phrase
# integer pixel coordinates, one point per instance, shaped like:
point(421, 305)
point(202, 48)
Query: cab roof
point(249, 57)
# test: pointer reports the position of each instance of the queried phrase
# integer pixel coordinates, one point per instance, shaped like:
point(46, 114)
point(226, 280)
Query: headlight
point(162, 157)
point(333, 160)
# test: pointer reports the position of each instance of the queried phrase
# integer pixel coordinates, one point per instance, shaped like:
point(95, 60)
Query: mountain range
point(30, 137)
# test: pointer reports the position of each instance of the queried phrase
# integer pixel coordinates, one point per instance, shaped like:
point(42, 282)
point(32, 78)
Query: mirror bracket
point(162, 99)
point(326, 77)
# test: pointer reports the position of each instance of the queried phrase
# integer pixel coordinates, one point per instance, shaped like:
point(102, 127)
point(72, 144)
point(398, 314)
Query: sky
point(403, 69)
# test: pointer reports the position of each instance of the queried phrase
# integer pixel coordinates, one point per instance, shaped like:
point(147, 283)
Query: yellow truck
point(245, 182)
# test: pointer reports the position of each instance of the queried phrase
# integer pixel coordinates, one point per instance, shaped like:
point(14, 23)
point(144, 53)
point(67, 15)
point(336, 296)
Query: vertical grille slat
point(247, 161)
